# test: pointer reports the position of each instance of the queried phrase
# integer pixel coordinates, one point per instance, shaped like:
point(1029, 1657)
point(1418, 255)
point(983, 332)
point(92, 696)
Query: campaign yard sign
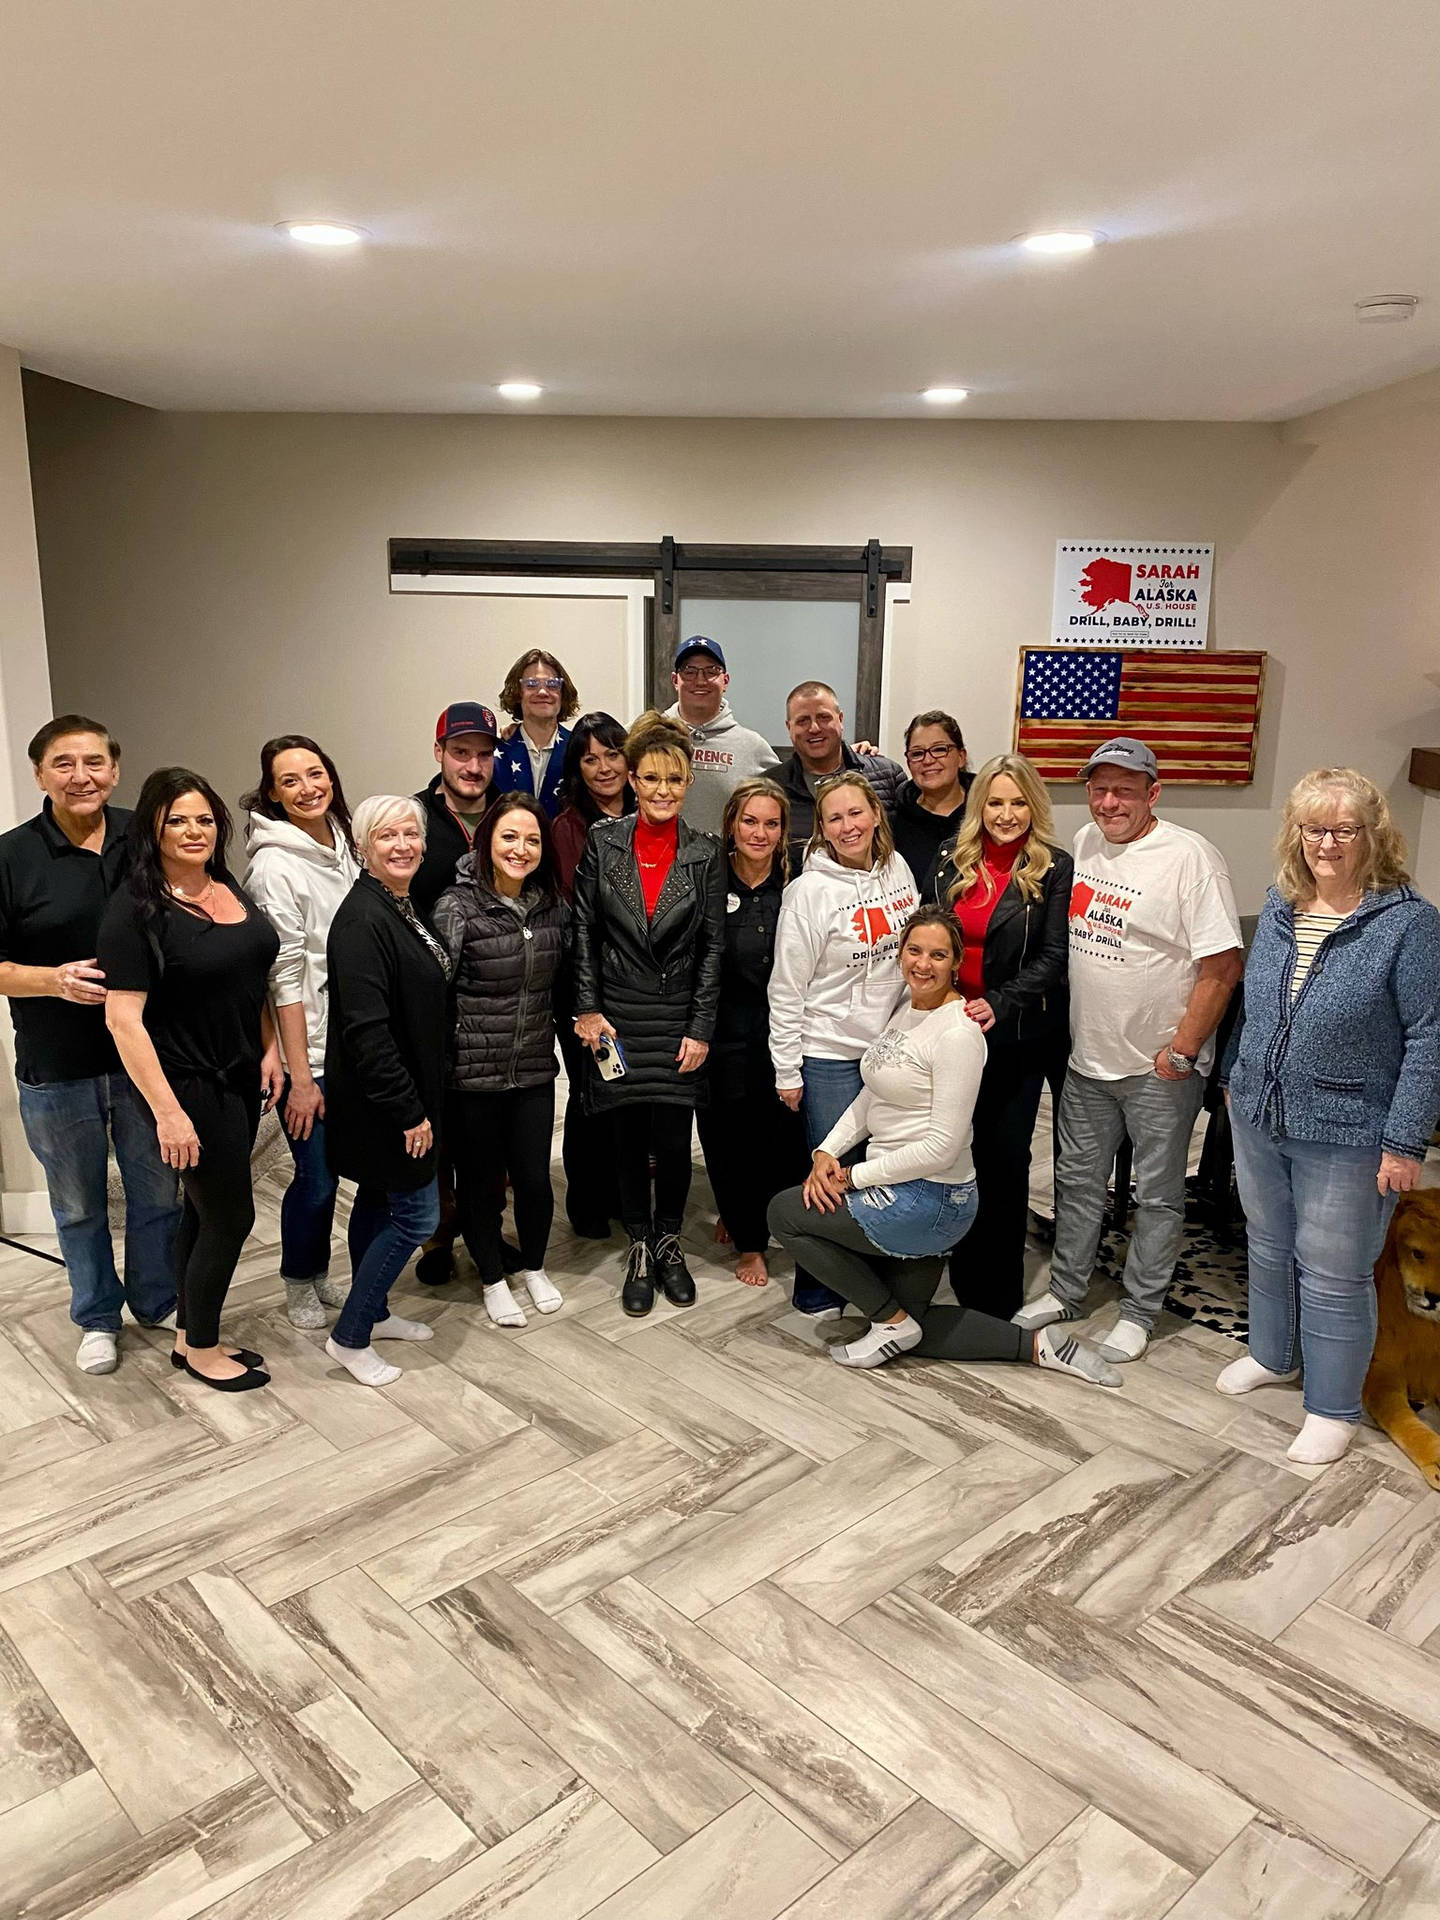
point(1131, 593)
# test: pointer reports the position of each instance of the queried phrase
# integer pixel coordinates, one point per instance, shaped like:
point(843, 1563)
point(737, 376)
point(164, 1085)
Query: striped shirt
point(1311, 931)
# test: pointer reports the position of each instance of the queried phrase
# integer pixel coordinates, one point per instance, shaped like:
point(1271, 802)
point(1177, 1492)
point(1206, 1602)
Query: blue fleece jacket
point(1355, 1061)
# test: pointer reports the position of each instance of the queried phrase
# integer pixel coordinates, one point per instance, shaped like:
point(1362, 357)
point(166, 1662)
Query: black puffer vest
point(507, 955)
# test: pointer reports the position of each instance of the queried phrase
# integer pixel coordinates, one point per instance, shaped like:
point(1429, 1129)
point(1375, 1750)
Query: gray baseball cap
point(1122, 751)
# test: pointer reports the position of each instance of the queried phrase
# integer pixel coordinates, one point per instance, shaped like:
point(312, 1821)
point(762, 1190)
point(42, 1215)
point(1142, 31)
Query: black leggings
point(592, 1186)
point(658, 1129)
point(219, 1205)
point(754, 1147)
point(834, 1247)
point(492, 1134)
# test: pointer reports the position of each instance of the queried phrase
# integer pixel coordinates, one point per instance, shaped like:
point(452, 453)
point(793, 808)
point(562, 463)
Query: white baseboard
point(26, 1212)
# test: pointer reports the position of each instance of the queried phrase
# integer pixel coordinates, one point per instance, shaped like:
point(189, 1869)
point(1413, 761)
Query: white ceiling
point(755, 207)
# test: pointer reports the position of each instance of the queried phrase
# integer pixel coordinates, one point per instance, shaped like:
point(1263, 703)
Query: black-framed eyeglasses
point(542, 686)
point(1342, 835)
point(917, 755)
point(697, 674)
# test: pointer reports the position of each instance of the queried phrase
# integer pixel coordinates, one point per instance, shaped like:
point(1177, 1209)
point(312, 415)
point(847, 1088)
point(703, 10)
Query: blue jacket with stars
point(514, 774)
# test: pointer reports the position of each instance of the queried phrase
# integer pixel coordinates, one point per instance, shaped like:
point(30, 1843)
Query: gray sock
point(1063, 1353)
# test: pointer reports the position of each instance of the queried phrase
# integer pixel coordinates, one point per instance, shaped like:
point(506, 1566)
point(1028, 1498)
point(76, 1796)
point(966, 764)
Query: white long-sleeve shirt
point(835, 983)
point(921, 1077)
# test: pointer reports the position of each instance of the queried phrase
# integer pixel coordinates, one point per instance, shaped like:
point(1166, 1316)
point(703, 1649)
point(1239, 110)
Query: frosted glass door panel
point(772, 645)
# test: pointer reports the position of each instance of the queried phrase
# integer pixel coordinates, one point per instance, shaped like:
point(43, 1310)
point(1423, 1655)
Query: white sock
point(880, 1344)
point(1043, 1312)
point(545, 1296)
point(98, 1352)
point(1246, 1373)
point(1126, 1340)
point(1063, 1353)
point(365, 1363)
point(502, 1306)
point(1320, 1440)
point(392, 1327)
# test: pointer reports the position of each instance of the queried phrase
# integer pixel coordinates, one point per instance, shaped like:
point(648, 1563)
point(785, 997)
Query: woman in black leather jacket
point(649, 915)
point(504, 926)
point(754, 1144)
point(1009, 886)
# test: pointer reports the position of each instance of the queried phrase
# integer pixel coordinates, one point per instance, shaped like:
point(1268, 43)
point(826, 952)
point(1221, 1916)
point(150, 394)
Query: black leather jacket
point(656, 981)
point(1027, 954)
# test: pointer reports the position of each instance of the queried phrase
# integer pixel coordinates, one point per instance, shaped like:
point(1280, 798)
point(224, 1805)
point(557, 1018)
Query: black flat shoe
point(245, 1355)
point(238, 1383)
point(437, 1266)
point(672, 1276)
point(637, 1293)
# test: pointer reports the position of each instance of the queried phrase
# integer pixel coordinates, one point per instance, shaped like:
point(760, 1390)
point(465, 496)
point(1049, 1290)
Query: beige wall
point(210, 579)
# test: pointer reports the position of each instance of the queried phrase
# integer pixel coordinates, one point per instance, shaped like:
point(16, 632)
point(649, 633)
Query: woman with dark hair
point(927, 811)
point(187, 959)
point(754, 1145)
point(301, 866)
point(878, 1231)
point(539, 695)
point(595, 784)
point(1008, 885)
point(649, 943)
point(597, 787)
point(504, 926)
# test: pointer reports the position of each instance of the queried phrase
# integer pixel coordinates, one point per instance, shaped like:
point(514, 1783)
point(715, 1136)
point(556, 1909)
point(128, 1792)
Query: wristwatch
point(1181, 1063)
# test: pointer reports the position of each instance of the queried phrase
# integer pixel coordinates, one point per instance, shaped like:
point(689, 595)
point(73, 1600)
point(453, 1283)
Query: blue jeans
point(69, 1125)
point(1316, 1222)
point(914, 1219)
point(830, 1087)
point(307, 1213)
point(385, 1229)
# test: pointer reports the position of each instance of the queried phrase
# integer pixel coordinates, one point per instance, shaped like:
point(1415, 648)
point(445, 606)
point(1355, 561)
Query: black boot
point(637, 1292)
point(672, 1276)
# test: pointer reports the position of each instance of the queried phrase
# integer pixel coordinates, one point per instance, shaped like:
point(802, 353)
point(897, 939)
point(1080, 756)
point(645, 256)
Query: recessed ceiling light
point(1387, 306)
point(322, 233)
point(1059, 242)
point(945, 396)
point(519, 390)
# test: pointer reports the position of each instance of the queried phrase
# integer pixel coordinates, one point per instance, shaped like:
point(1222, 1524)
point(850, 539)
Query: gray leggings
point(834, 1248)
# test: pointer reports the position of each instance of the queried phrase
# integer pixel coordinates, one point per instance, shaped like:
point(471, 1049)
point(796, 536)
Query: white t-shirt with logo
point(1142, 917)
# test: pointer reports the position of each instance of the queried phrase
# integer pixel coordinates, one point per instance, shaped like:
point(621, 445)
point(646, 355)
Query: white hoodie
point(835, 983)
point(298, 884)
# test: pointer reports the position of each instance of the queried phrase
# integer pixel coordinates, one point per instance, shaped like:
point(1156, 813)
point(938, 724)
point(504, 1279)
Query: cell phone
point(610, 1058)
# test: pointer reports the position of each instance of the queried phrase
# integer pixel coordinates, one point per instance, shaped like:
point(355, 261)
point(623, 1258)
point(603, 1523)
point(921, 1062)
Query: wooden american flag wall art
point(1198, 712)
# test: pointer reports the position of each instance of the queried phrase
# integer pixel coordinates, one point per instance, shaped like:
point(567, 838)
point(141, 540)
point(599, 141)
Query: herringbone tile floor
point(674, 1618)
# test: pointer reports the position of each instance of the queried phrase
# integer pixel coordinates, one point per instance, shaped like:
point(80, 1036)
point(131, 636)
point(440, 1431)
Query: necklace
point(200, 899)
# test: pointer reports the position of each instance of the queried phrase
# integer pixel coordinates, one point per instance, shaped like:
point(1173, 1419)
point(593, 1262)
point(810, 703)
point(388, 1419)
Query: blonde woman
point(648, 925)
point(1008, 885)
point(754, 1144)
point(1334, 1087)
point(834, 984)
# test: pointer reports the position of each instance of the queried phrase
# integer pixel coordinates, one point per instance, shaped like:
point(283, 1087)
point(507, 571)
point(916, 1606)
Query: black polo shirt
point(52, 898)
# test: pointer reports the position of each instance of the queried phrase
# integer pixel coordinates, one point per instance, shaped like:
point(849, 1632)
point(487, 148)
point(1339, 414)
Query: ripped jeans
point(914, 1218)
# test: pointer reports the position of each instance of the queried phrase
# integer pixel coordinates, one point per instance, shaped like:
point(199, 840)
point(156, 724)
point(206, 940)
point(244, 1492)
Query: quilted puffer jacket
point(655, 980)
point(507, 954)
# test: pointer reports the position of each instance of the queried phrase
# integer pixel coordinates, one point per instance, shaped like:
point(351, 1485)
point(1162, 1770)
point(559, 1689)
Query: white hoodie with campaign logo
point(835, 982)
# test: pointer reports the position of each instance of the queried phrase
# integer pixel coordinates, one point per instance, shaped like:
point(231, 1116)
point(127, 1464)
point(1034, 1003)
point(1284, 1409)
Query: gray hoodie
point(725, 754)
point(297, 884)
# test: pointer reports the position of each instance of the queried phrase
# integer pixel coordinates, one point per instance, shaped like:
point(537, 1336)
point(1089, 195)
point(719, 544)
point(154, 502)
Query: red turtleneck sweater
point(973, 909)
point(654, 856)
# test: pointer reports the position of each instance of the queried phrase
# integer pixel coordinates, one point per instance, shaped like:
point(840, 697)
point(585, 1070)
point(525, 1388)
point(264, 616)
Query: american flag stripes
point(1198, 712)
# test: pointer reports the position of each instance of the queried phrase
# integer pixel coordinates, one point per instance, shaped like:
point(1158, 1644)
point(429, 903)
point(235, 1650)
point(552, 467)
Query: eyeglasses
point(542, 686)
point(650, 781)
point(917, 756)
point(1342, 836)
point(694, 675)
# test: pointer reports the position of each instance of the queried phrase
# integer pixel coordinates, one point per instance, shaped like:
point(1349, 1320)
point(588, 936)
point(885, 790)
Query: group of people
point(859, 976)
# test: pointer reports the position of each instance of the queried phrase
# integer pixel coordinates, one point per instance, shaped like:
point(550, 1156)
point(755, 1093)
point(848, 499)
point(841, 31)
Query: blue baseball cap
point(699, 643)
point(465, 716)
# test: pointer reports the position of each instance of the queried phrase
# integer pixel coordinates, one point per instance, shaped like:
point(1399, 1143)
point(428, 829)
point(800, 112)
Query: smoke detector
point(1387, 306)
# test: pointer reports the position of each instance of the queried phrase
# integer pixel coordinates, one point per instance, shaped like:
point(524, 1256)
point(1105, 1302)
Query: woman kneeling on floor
point(878, 1232)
